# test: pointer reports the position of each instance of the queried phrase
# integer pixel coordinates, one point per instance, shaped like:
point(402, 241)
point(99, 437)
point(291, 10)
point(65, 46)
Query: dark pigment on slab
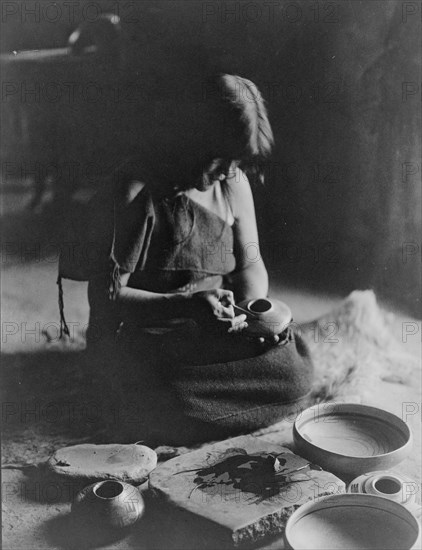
point(263, 475)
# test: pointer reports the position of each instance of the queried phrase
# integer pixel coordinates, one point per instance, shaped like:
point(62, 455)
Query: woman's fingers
point(226, 312)
point(226, 297)
point(224, 301)
point(237, 324)
point(238, 327)
point(233, 321)
point(217, 305)
point(272, 340)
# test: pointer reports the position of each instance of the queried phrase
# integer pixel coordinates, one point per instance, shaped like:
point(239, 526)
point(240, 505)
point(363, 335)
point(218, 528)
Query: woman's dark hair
point(219, 117)
point(246, 122)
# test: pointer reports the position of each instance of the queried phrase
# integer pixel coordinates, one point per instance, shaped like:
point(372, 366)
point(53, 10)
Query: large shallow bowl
point(348, 439)
point(352, 522)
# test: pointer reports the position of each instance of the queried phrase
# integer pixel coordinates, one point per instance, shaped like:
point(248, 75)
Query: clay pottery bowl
point(349, 439)
point(109, 505)
point(265, 317)
point(352, 522)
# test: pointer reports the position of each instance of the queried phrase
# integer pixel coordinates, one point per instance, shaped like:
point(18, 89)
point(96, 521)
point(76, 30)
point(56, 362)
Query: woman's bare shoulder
point(130, 179)
point(129, 190)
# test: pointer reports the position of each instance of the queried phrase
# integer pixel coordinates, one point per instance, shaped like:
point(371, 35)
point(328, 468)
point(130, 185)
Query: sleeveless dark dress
point(183, 383)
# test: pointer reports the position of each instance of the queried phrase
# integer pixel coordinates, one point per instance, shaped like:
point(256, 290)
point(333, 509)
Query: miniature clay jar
point(111, 503)
point(388, 485)
point(266, 317)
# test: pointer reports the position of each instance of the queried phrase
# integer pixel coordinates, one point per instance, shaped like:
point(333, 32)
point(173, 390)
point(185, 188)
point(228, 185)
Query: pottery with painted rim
point(390, 485)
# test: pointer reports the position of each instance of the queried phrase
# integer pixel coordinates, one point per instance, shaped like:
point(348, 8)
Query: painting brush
point(245, 311)
point(309, 465)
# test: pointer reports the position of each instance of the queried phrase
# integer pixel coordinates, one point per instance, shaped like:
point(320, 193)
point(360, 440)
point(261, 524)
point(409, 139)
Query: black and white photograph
point(211, 274)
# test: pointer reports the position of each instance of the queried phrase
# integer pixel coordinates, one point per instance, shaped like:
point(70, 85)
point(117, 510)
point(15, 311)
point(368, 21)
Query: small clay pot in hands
point(265, 317)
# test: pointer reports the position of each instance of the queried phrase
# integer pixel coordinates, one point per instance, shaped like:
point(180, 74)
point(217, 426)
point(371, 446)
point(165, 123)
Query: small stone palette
point(129, 463)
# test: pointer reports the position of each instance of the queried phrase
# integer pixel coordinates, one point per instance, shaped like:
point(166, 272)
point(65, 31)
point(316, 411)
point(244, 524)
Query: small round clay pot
point(389, 485)
point(111, 503)
point(266, 317)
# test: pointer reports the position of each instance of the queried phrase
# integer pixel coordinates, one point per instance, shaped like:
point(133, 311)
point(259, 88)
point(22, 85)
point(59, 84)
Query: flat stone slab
point(244, 488)
point(130, 463)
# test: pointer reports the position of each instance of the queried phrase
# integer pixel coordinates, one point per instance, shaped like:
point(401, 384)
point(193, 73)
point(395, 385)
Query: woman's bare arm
point(153, 306)
point(206, 308)
point(250, 280)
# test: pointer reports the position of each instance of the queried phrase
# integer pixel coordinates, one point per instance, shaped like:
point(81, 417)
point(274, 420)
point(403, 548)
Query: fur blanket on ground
point(358, 356)
point(357, 345)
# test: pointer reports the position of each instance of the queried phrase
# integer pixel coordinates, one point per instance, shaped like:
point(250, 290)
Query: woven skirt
point(187, 387)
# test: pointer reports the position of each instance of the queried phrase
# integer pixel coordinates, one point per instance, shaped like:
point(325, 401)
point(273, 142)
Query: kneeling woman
point(181, 224)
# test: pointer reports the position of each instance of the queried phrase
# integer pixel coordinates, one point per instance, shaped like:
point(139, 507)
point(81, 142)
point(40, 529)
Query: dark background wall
point(341, 205)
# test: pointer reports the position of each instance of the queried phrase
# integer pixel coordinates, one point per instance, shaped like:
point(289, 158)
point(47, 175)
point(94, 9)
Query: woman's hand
point(269, 340)
point(213, 310)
